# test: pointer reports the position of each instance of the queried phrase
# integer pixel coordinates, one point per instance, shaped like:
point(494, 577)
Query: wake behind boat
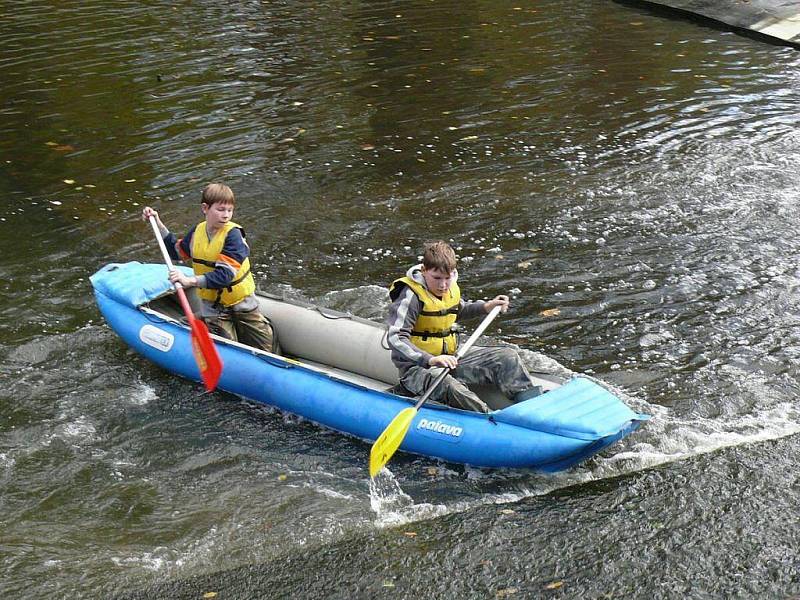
point(336, 371)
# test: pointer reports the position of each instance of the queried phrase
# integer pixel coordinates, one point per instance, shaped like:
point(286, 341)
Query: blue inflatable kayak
point(336, 372)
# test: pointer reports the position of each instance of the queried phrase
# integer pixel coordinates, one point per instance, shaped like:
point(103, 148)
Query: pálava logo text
point(439, 427)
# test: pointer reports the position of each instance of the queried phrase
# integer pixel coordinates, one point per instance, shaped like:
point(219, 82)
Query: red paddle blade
point(206, 355)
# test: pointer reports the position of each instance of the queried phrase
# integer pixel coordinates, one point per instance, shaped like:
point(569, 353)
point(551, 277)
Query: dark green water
point(637, 172)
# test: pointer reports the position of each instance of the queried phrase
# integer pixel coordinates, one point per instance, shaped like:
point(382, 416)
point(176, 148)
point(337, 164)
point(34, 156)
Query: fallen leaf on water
point(388, 584)
point(368, 147)
point(282, 477)
point(524, 264)
point(433, 471)
point(210, 595)
point(507, 511)
point(469, 137)
point(69, 181)
point(550, 312)
point(129, 180)
point(410, 534)
point(554, 585)
point(636, 23)
point(498, 256)
point(506, 592)
point(286, 140)
point(64, 148)
point(51, 143)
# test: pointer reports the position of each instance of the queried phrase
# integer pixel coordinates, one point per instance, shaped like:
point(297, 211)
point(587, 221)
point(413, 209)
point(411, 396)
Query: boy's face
point(437, 281)
point(217, 214)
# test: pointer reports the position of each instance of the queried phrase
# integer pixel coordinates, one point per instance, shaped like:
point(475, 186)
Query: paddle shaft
point(462, 350)
point(178, 287)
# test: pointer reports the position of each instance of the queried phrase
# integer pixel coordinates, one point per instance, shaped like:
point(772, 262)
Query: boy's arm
point(179, 249)
point(170, 241)
point(480, 308)
point(402, 317)
point(471, 310)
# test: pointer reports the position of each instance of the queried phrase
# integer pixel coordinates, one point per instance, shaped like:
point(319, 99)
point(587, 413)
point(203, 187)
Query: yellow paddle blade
point(389, 441)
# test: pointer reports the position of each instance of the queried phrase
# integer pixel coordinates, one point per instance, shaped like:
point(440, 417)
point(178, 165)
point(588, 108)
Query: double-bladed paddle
point(391, 438)
point(205, 353)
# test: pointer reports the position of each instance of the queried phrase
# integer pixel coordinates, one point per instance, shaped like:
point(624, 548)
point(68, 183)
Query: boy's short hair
point(439, 255)
point(215, 193)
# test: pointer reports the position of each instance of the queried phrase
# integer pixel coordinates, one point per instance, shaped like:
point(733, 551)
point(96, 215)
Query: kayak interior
point(342, 346)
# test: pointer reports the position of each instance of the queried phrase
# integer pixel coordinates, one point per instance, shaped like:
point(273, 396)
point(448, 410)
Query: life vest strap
point(217, 304)
point(433, 334)
point(207, 263)
point(453, 310)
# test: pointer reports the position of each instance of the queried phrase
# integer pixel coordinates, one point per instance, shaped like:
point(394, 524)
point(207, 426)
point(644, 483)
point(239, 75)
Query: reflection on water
point(634, 172)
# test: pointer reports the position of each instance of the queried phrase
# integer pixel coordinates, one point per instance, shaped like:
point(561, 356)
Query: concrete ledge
point(779, 19)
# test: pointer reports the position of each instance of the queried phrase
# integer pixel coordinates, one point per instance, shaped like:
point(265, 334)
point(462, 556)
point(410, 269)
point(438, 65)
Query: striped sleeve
point(403, 315)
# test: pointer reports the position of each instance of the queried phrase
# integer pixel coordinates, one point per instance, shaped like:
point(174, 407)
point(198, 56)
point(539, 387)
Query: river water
point(635, 171)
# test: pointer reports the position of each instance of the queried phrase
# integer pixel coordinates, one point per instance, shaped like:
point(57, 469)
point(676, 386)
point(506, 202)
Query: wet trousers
point(250, 327)
point(497, 365)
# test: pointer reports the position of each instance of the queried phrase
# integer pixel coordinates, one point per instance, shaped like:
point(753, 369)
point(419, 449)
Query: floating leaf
point(433, 471)
point(388, 584)
point(410, 534)
point(550, 312)
point(64, 148)
point(69, 181)
point(504, 593)
point(51, 143)
point(282, 477)
point(507, 511)
point(210, 595)
point(554, 585)
point(129, 180)
point(469, 137)
point(368, 147)
point(525, 264)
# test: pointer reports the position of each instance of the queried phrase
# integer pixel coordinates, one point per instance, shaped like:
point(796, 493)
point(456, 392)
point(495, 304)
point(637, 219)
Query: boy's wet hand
point(444, 360)
point(176, 276)
point(147, 212)
point(501, 301)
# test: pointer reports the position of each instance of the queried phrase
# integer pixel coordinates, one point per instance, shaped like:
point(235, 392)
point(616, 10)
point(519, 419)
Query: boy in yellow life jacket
point(425, 305)
point(219, 255)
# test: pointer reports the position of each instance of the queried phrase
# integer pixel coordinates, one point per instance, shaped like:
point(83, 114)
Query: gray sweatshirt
point(403, 314)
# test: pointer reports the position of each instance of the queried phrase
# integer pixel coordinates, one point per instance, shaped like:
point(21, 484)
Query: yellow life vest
point(433, 331)
point(206, 253)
